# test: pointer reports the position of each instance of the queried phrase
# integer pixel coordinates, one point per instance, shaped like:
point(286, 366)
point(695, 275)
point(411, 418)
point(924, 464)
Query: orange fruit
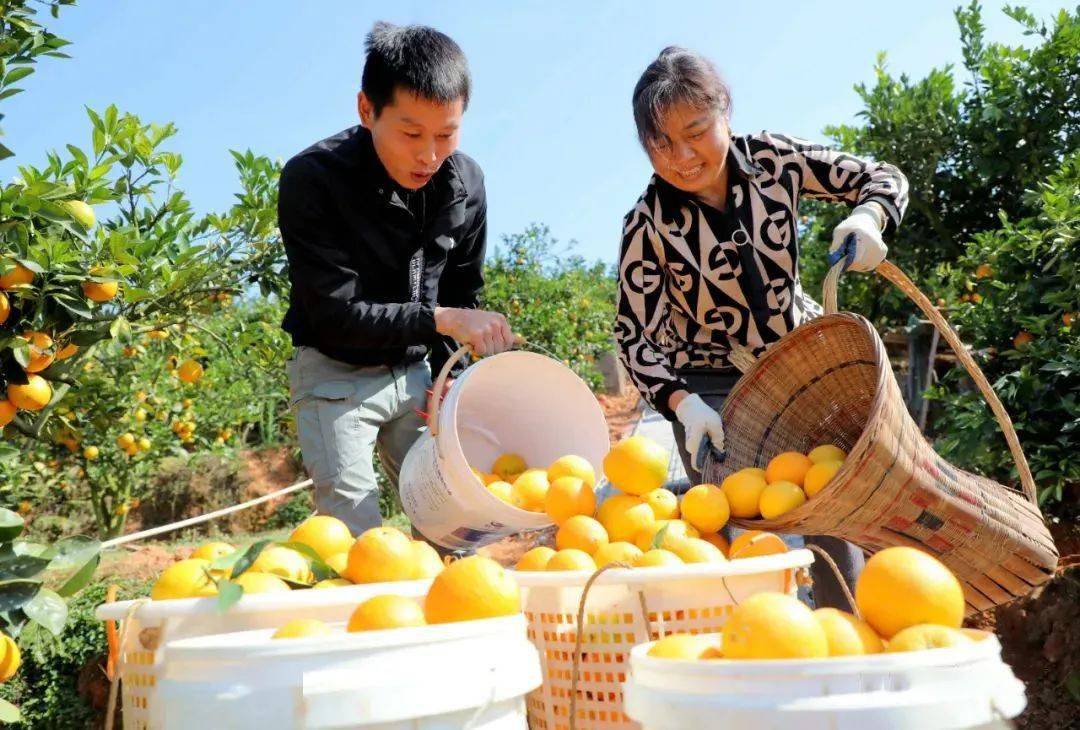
point(572, 466)
point(903, 586)
point(637, 465)
point(535, 559)
point(675, 530)
point(847, 635)
point(743, 491)
point(1067, 319)
point(657, 558)
point(624, 516)
point(471, 588)
point(16, 276)
point(755, 543)
point(332, 583)
point(687, 646)
point(502, 490)
point(81, 212)
point(386, 612)
point(33, 396)
point(976, 634)
point(529, 490)
point(509, 467)
point(819, 475)
point(664, 503)
point(826, 452)
point(617, 552)
point(568, 496)
point(581, 532)
point(67, 351)
point(213, 550)
point(7, 412)
point(696, 550)
point(428, 562)
point(91, 452)
point(253, 581)
point(790, 466)
point(125, 441)
point(10, 657)
point(301, 628)
point(338, 562)
point(780, 497)
point(984, 271)
point(1023, 339)
point(926, 636)
point(184, 579)
point(41, 354)
point(324, 534)
point(381, 554)
point(705, 507)
point(5, 308)
point(773, 626)
point(189, 371)
point(571, 559)
point(719, 541)
point(283, 562)
point(100, 291)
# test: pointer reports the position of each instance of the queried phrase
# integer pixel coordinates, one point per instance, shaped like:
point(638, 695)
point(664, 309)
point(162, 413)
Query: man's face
point(692, 151)
point(412, 135)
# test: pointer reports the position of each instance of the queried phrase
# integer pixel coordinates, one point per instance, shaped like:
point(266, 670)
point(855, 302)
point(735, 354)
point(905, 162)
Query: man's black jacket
point(366, 272)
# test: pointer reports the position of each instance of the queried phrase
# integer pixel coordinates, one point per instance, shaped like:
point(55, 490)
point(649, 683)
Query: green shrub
point(1029, 283)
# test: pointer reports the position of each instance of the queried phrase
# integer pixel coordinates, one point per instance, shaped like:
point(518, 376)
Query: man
point(384, 227)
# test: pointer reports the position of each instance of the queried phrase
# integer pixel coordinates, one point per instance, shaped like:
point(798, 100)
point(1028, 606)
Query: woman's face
point(692, 149)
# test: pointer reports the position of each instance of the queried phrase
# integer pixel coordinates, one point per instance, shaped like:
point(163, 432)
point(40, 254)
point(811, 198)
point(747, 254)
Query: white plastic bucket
point(468, 674)
point(514, 402)
point(154, 623)
point(694, 598)
point(966, 686)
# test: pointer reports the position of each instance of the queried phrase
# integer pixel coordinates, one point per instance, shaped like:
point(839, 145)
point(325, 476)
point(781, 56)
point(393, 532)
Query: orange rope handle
point(901, 281)
point(111, 635)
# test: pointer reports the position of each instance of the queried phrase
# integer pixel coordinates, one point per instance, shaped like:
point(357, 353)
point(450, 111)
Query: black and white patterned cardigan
point(685, 295)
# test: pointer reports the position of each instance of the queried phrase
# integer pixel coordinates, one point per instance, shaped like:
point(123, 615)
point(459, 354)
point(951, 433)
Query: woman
point(710, 253)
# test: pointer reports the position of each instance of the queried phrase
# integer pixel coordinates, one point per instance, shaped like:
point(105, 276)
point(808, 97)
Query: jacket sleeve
point(839, 177)
point(641, 312)
point(462, 282)
point(324, 282)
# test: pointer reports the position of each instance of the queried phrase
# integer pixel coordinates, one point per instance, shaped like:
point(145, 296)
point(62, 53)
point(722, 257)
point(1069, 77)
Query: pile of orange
point(641, 524)
point(907, 601)
point(787, 481)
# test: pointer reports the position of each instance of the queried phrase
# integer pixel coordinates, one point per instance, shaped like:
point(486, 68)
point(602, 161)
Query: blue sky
point(550, 118)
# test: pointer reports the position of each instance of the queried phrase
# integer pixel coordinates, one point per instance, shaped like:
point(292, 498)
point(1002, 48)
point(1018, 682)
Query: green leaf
point(321, 570)
point(658, 538)
point(9, 712)
point(73, 552)
point(11, 525)
point(228, 594)
point(248, 557)
point(16, 593)
point(120, 328)
point(5, 152)
point(14, 565)
point(48, 609)
point(79, 581)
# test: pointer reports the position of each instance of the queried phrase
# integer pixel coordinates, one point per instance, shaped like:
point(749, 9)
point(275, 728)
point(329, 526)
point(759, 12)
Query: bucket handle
point(892, 273)
point(444, 374)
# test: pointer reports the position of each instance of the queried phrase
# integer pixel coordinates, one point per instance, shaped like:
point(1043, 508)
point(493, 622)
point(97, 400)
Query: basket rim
point(789, 560)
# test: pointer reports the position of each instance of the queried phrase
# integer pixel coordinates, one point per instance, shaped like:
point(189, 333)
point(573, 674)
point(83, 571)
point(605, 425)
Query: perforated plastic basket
point(694, 598)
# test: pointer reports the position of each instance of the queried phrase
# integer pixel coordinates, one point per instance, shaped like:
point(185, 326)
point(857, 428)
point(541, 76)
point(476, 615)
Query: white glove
point(865, 222)
point(698, 419)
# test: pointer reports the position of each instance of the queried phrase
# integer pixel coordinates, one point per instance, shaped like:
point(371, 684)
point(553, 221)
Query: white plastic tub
point(468, 674)
point(515, 402)
point(967, 686)
point(695, 598)
point(154, 623)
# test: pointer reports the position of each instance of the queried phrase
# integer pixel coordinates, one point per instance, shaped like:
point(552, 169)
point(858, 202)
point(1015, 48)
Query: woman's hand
point(865, 223)
point(699, 419)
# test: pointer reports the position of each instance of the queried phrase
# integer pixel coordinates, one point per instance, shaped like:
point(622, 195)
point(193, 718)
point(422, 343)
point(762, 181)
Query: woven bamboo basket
point(830, 381)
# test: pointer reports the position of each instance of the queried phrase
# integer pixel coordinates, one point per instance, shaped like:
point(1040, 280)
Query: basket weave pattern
point(829, 381)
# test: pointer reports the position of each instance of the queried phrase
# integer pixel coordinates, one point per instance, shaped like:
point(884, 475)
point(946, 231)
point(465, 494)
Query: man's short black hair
point(416, 58)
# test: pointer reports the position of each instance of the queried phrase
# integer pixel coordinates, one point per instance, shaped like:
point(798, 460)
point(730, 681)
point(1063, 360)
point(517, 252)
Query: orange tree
point(1015, 295)
point(553, 298)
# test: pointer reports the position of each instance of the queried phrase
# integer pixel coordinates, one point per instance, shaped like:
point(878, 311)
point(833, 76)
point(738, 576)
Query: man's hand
point(865, 222)
point(699, 419)
point(487, 333)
